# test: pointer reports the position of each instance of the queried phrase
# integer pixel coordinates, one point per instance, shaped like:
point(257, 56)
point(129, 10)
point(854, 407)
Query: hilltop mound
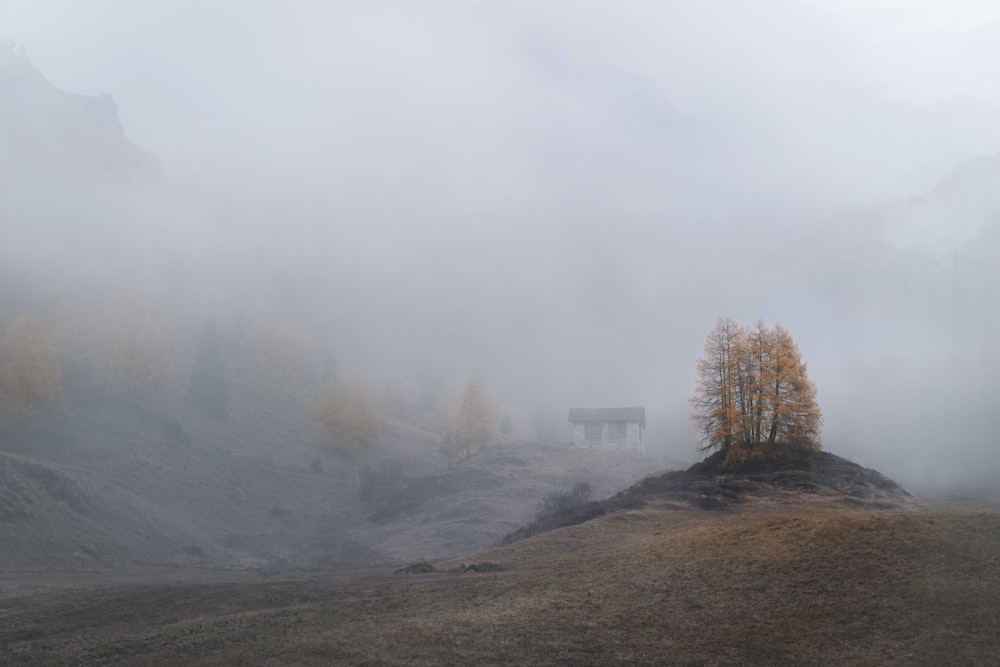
point(796, 476)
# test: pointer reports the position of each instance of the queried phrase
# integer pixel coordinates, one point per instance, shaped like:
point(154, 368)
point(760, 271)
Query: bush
point(560, 501)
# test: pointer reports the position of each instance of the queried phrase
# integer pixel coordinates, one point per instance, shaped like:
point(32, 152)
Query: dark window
point(616, 430)
point(592, 430)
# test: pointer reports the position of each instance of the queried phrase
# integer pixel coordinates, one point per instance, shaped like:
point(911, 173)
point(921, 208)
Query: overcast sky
point(563, 196)
point(852, 90)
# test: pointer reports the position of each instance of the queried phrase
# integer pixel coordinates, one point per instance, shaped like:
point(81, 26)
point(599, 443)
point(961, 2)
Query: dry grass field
point(763, 583)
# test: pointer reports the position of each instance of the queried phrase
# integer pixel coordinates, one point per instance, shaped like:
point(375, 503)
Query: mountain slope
point(47, 133)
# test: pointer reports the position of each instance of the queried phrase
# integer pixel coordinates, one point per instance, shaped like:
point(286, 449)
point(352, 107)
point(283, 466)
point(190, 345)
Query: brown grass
point(763, 584)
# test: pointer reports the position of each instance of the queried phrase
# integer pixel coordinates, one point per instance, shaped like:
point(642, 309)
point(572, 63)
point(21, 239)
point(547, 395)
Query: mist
point(556, 202)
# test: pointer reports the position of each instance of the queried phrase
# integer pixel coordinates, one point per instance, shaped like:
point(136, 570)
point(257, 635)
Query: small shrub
point(560, 509)
point(560, 501)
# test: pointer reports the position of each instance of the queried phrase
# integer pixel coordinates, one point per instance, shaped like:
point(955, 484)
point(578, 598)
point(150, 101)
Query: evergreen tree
point(208, 389)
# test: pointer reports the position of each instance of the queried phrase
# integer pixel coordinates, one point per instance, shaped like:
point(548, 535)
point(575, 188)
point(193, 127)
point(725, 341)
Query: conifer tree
point(208, 389)
point(753, 396)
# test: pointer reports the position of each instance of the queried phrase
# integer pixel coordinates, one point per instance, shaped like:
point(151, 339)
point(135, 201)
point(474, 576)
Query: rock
point(481, 567)
point(417, 568)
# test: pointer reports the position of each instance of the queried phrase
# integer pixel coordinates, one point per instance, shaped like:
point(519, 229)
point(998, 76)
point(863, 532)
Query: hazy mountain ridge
point(48, 133)
point(946, 222)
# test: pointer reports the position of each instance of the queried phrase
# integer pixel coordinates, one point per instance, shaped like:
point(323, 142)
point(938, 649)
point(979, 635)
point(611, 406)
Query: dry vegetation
point(760, 584)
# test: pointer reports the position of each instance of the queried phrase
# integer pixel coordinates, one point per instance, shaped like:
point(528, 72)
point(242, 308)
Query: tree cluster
point(753, 396)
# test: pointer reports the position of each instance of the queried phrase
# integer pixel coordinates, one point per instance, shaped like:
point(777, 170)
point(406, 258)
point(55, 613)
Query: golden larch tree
point(752, 395)
point(30, 367)
point(472, 425)
point(715, 410)
point(347, 417)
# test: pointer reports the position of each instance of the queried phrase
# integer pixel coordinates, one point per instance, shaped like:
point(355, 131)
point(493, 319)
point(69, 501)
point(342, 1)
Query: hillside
point(106, 483)
point(777, 584)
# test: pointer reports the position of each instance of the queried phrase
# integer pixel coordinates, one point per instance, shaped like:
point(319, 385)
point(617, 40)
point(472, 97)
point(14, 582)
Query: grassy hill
point(776, 584)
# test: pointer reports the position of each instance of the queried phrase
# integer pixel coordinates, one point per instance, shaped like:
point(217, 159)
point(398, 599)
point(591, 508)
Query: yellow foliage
point(472, 425)
point(346, 417)
point(752, 394)
point(29, 366)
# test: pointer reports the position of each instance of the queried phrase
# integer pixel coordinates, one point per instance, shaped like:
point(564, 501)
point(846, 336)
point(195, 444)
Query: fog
point(555, 200)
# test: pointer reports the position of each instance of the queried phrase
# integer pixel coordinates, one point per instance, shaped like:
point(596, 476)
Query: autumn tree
point(472, 425)
point(753, 396)
point(29, 366)
point(347, 417)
